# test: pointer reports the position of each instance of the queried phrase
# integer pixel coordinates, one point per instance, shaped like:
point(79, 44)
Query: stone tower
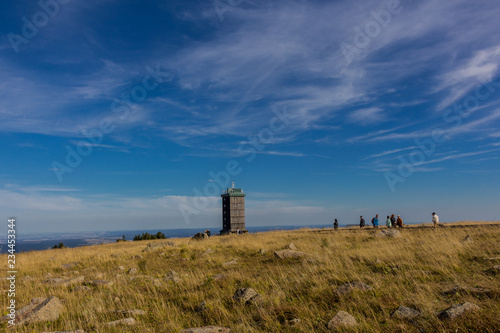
point(233, 211)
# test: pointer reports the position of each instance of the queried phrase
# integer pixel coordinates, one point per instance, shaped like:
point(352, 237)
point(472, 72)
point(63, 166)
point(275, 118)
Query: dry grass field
point(415, 271)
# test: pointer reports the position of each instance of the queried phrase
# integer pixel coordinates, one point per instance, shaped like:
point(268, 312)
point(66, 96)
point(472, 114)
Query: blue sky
point(123, 114)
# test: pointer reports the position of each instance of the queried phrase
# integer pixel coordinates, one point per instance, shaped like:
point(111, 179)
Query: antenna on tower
point(232, 184)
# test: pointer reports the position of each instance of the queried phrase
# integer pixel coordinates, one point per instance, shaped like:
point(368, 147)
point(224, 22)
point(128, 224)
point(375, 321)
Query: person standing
point(393, 221)
point(362, 223)
point(388, 223)
point(335, 224)
point(375, 222)
point(435, 219)
point(399, 222)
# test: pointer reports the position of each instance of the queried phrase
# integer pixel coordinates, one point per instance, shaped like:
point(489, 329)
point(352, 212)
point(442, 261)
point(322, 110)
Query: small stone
point(287, 254)
point(120, 268)
point(495, 258)
point(134, 312)
point(138, 257)
point(207, 252)
point(219, 277)
point(207, 329)
point(348, 288)
point(65, 282)
point(117, 300)
point(468, 239)
point(292, 247)
point(48, 275)
point(81, 289)
point(247, 296)
point(457, 310)
point(201, 308)
point(101, 283)
point(126, 321)
point(132, 271)
point(262, 251)
point(230, 263)
point(342, 319)
point(405, 313)
point(173, 277)
point(69, 265)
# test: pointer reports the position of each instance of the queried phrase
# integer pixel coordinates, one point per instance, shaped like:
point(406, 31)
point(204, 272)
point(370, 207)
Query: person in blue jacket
point(375, 222)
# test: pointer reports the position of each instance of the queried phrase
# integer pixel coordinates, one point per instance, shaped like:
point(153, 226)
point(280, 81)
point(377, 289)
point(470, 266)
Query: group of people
point(391, 222)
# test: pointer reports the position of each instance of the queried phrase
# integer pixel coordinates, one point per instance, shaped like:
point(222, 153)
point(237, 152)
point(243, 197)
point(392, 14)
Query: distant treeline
point(147, 236)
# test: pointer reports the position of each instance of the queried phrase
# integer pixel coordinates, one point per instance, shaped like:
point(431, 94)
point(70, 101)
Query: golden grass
point(411, 271)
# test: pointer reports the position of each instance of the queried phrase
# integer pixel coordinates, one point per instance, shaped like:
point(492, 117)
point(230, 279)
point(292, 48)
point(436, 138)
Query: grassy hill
point(171, 282)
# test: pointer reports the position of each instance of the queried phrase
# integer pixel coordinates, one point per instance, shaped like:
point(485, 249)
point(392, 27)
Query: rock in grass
point(201, 308)
point(81, 289)
point(65, 282)
point(39, 310)
point(172, 277)
point(230, 263)
point(132, 271)
point(262, 251)
point(348, 288)
point(405, 313)
point(457, 310)
point(342, 319)
point(291, 247)
point(134, 312)
point(468, 239)
point(101, 283)
point(69, 265)
point(247, 296)
point(207, 329)
point(287, 254)
point(390, 233)
point(126, 321)
point(200, 236)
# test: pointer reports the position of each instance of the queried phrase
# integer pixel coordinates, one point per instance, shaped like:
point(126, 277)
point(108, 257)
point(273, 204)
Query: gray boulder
point(291, 247)
point(65, 282)
point(39, 310)
point(172, 277)
point(405, 313)
point(457, 310)
point(101, 283)
point(247, 296)
point(200, 236)
point(288, 254)
point(342, 319)
point(69, 265)
point(132, 271)
point(348, 288)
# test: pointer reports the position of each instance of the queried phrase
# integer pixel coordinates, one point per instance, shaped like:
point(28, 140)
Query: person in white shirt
point(435, 219)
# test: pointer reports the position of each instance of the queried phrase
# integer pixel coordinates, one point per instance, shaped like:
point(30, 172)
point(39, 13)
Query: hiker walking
point(435, 219)
point(335, 224)
point(388, 223)
point(361, 222)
